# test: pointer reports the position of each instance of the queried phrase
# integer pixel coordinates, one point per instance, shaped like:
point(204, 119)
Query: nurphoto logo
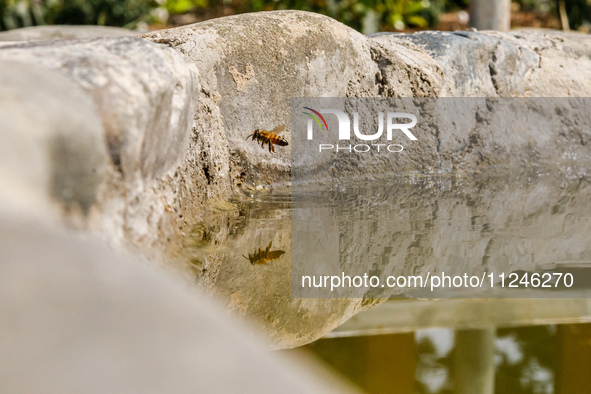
point(344, 130)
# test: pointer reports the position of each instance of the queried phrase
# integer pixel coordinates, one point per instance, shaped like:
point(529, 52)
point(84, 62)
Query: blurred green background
point(366, 16)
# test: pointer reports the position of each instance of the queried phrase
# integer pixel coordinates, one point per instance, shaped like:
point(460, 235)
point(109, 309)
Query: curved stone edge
point(74, 312)
point(145, 96)
point(52, 157)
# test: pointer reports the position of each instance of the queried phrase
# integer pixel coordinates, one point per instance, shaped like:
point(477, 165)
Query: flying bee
point(269, 137)
point(264, 256)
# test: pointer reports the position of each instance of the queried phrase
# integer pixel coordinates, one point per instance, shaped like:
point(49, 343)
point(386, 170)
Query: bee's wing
point(275, 254)
point(279, 129)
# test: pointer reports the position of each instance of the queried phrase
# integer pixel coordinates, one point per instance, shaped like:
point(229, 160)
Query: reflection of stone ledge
point(175, 111)
point(453, 225)
point(396, 316)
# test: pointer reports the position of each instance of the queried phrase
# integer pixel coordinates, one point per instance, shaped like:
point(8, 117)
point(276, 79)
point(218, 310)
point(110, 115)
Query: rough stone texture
point(144, 94)
point(527, 63)
point(52, 156)
point(77, 317)
point(473, 63)
point(459, 135)
point(252, 65)
point(47, 33)
point(168, 186)
point(565, 66)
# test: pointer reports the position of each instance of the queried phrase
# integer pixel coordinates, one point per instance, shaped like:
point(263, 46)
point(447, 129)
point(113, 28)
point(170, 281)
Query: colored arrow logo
point(315, 117)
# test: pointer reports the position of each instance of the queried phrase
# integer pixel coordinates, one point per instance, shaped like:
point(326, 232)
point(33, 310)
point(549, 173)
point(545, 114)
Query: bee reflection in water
point(264, 256)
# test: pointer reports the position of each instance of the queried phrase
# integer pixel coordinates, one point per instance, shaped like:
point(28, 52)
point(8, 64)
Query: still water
point(522, 360)
point(245, 251)
point(497, 229)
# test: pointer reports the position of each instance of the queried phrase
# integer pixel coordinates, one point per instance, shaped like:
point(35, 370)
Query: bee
point(269, 137)
point(264, 256)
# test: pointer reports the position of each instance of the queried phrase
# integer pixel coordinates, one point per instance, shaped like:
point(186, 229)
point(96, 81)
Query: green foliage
point(454, 5)
point(367, 16)
point(579, 13)
point(537, 5)
point(183, 6)
point(371, 16)
point(18, 13)
point(22, 13)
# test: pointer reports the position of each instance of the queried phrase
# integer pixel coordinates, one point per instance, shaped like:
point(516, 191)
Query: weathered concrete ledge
point(79, 317)
point(176, 105)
